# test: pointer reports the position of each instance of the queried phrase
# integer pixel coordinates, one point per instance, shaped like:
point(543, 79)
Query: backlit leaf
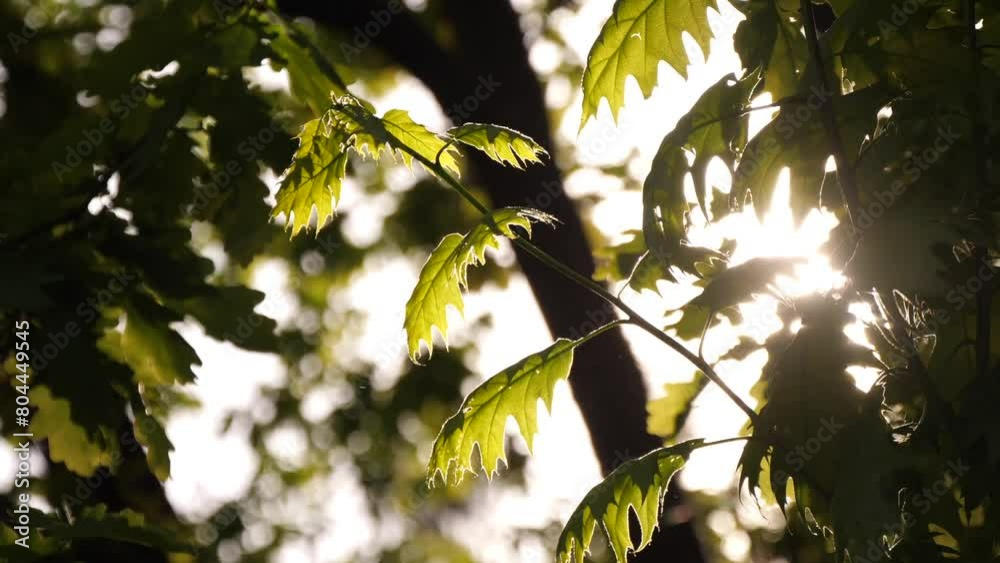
point(638, 35)
point(810, 399)
point(68, 443)
point(798, 139)
point(314, 177)
point(668, 414)
point(716, 127)
point(392, 133)
point(638, 485)
point(156, 352)
point(482, 418)
point(444, 275)
point(771, 40)
point(313, 78)
point(151, 434)
point(501, 144)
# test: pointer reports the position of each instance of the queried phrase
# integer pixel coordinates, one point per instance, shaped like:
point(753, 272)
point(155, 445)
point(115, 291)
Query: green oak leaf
point(482, 418)
point(444, 275)
point(668, 414)
point(395, 132)
point(320, 163)
point(637, 486)
point(156, 352)
point(312, 77)
point(501, 144)
point(151, 434)
point(227, 313)
point(638, 35)
point(68, 443)
point(314, 177)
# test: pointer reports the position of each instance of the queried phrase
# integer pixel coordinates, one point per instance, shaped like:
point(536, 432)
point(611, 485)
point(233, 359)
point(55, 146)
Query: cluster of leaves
point(100, 199)
point(903, 108)
point(130, 146)
point(908, 123)
point(903, 105)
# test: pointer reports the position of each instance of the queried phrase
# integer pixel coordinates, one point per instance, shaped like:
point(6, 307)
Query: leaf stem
point(632, 317)
point(726, 441)
point(600, 330)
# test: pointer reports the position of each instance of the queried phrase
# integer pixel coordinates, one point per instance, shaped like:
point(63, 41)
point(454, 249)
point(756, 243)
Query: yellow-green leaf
point(314, 178)
point(483, 416)
point(150, 433)
point(638, 485)
point(638, 35)
point(320, 163)
point(68, 443)
point(395, 132)
point(667, 414)
point(501, 144)
point(157, 353)
point(444, 274)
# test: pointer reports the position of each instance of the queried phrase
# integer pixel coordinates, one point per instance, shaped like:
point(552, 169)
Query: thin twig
point(632, 317)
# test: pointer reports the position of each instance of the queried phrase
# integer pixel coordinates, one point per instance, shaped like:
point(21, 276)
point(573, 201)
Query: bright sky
point(211, 467)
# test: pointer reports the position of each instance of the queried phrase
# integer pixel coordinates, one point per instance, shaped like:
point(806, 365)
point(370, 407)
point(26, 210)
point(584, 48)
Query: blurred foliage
point(148, 151)
point(140, 142)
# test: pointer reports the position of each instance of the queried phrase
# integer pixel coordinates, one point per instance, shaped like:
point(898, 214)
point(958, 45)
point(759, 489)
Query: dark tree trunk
point(489, 49)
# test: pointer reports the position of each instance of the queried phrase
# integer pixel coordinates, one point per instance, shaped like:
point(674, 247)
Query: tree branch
point(486, 45)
